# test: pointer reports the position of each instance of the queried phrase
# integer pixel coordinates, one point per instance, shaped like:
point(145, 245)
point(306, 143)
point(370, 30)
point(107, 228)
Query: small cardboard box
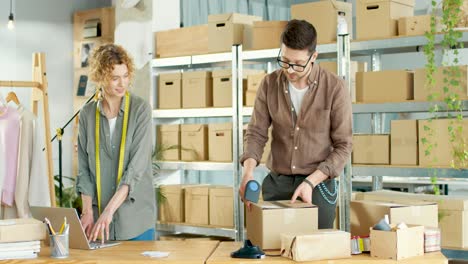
point(421, 92)
point(19, 230)
point(379, 18)
point(453, 211)
point(225, 30)
point(266, 34)
point(169, 139)
point(194, 141)
point(196, 205)
point(220, 142)
point(254, 81)
point(316, 245)
point(221, 206)
point(356, 66)
point(404, 142)
point(267, 220)
point(173, 43)
point(197, 89)
point(250, 97)
point(323, 15)
point(371, 149)
point(366, 213)
point(222, 86)
point(414, 26)
point(441, 138)
point(399, 244)
point(172, 208)
point(170, 91)
point(384, 86)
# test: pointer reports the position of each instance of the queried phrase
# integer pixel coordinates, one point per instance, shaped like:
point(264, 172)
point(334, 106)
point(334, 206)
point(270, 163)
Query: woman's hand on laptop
point(87, 222)
point(102, 226)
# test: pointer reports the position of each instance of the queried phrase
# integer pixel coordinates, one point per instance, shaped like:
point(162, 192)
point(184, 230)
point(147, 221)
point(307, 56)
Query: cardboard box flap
point(192, 128)
point(170, 76)
point(224, 191)
point(220, 127)
point(268, 205)
point(269, 24)
point(342, 6)
point(403, 2)
point(169, 128)
point(222, 73)
point(197, 190)
point(196, 75)
point(233, 18)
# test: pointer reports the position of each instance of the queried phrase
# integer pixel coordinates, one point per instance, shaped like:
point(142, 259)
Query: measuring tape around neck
point(121, 153)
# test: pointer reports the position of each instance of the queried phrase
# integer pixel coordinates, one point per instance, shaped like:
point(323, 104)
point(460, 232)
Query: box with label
point(323, 15)
point(399, 244)
point(194, 141)
point(196, 204)
point(453, 213)
point(421, 92)
point(221, 206)
point(222, 85)
point(266, 34)
point(18, 230)
point(404, 142)
point(371, 149)
point(414, 26)
point(366, 213)
point(169, 140)
point(225, 30)
point(220, 142)
point(379, 18)
point(173, 43)
point(172, 208)
point(442, 146)
point(384, 86)
point(267, 220)
point(197, 89)
point(316, 245)
point(170, 91)
point(355, 66)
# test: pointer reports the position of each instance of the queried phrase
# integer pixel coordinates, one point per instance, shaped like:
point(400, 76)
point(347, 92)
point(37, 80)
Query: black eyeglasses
point(295, 67)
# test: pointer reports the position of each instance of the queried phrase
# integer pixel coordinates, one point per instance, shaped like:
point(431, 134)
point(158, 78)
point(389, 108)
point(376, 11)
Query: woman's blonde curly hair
point(102, 61)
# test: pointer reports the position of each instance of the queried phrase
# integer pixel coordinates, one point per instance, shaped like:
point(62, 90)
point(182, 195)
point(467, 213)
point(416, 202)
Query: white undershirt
point(112, 125)
point(296, 96)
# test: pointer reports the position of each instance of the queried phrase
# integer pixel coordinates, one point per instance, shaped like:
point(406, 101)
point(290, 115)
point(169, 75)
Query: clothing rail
point(40, 93)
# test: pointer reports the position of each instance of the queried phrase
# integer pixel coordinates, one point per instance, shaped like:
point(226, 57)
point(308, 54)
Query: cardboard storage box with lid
point(414, 25)
point(170, 91)
point(421, 92)
point(221, 206)
point(404, 142)
point(196, 204)
point(377, 19)
point(323, 15)
point(267, 220)
point(253, 83)
point(371, 149)
point(384, 86)
point(220, 141)
point(172, 208)
point(194, 141)
point(265, 34)
point(222, 85)
point(169, 139)
point(197, 89)
point(225, 30)
point(356, 66)
point(453, 211)
point(366, 213)
point(173, 43)
point(399, 244)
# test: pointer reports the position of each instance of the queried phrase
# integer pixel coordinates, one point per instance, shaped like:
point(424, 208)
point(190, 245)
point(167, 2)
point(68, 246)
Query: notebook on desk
point(77, 237)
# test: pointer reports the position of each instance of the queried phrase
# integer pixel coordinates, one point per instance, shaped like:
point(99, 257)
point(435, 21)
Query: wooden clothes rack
point(39, 82)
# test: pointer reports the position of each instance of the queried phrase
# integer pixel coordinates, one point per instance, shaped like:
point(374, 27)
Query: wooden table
point(186, 252)
point(223, 252)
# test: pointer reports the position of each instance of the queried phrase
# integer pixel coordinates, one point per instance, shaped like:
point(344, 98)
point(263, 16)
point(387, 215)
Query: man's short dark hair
point(299, 35)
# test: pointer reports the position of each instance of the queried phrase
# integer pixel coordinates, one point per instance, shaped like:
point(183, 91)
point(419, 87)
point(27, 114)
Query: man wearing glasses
point(309, 110)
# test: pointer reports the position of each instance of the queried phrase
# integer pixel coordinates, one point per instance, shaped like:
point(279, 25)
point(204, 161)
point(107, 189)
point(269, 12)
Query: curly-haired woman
point(114, 153)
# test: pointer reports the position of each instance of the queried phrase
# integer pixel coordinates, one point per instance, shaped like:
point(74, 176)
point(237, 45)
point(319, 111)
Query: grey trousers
point(281, 187)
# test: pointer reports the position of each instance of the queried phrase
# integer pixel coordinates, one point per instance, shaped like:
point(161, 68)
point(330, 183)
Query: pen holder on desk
point(59, 246)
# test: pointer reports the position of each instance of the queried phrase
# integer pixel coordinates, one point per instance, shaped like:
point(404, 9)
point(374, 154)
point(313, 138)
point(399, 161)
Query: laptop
point(77, 236)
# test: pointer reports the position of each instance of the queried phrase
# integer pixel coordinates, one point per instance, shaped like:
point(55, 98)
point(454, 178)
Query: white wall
point(44, 26)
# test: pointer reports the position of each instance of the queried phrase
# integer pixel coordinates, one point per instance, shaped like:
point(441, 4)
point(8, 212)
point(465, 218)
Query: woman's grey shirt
point(138, 212)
